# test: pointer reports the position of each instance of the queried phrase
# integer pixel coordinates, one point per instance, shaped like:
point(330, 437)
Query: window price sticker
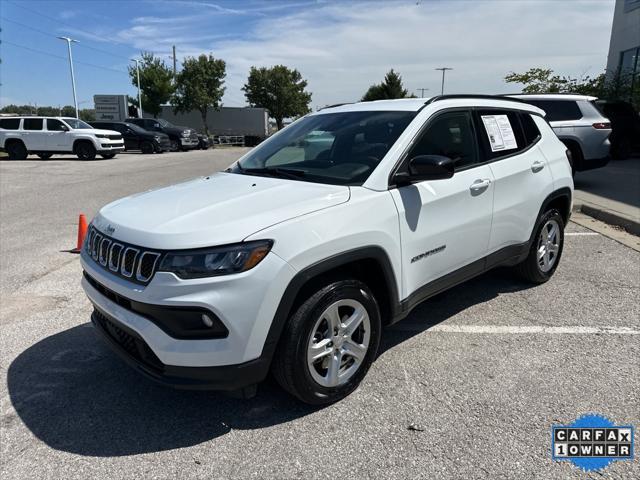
point(500, 132)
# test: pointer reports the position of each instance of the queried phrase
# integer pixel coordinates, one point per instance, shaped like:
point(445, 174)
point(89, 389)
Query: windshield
point(337, 148)
point(164, 123)
point(136, 128)
point(75, 123)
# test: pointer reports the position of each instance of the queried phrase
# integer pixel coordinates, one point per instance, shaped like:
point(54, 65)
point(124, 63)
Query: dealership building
point(624, 47)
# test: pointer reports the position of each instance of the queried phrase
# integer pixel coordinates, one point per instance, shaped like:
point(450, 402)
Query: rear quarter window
point(558, 110)
point(9, 123)
point(529, 128)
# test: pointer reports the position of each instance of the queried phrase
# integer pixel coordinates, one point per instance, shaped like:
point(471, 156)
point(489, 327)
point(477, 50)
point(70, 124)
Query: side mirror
point(64, 128)
point(426, 167)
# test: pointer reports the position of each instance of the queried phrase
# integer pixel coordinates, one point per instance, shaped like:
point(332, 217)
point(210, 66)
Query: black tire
point(290, 366)
point(17, 150)
point(107, 156)
point(85, 151)
point(45, 156)
point(531, 269)
point(147, 148)
point(175, 145)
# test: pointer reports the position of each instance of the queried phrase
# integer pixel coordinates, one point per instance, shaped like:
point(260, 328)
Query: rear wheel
point(147, 147)
point(17, 150)
point(45, 156)
point(85, 151)
point(329, 343)
point(546, 248)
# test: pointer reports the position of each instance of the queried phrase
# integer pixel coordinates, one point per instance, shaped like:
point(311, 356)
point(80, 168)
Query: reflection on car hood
point(216, 210)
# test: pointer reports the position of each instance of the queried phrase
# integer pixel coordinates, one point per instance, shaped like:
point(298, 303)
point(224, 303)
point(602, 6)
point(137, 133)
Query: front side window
point(450, 135)
point(337, 148)
point(54, 125)
point(32, 124)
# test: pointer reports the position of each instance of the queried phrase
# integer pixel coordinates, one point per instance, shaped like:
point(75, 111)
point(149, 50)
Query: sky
point(340, 47)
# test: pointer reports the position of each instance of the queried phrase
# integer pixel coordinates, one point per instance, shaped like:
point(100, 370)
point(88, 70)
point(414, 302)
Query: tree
point(199, 86)
point(156, 82)
point(278, 89)
point(538, 80)
point(390, 88)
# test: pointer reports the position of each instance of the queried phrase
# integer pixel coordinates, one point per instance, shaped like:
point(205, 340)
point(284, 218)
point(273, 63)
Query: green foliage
point(616, 86)
point(278, 89)
point(199, 86)
point(390, 88)
point(156, 82)
point(47, 111)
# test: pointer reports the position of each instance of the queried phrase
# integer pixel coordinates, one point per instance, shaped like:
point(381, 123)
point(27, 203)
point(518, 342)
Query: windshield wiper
point(274, 172)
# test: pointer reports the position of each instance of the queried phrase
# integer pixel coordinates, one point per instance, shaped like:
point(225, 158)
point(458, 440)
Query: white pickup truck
point(46, 136)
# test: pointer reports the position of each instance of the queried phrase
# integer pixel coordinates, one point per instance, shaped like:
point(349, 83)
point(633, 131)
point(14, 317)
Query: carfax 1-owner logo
point(592, 442)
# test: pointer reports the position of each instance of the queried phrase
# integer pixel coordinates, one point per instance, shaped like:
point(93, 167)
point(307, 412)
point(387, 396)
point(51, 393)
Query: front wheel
point(85, 151)
point(107, 156)
point(147, 147)
point(545, 250)
point(329, 343)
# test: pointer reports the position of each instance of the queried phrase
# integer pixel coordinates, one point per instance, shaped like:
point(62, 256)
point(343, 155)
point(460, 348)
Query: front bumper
point(131, 348)
point(189, 142)
point(111, 147)
point(245, 303)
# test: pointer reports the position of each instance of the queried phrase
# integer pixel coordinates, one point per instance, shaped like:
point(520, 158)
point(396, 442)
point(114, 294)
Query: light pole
point(444, 69)
point(73, 78)
point(422, 90)
point(138, 74)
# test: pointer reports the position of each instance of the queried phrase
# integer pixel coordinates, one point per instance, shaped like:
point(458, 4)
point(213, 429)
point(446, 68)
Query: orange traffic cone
point(82, 232)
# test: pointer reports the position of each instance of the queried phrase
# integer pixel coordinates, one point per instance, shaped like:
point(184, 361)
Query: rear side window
point(558, 110)
point(32, 124)
point(10, 123)
point(500, 133)
point(529, 128)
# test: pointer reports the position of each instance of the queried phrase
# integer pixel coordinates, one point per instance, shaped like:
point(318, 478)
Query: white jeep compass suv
point(46, 136)
point(295, 257)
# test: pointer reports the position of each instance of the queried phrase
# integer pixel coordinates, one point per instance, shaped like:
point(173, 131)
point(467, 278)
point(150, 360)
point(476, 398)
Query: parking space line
point(523, 329)
point(580, 234)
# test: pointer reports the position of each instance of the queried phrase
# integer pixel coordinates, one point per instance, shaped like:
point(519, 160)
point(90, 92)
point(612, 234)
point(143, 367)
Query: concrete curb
point(608, 216)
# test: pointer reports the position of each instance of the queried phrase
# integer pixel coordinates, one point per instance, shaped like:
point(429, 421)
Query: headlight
point(186, 133)
point(157, 137)
point(101, 135)
point(210, 262)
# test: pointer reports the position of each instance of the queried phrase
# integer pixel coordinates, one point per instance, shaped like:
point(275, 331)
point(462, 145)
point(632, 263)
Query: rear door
point(33, 134)
point(522, 178)
point(445, 224)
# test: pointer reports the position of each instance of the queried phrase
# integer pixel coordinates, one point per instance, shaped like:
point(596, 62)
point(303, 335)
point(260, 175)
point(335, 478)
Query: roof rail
point(470, 95)
point(334, 105)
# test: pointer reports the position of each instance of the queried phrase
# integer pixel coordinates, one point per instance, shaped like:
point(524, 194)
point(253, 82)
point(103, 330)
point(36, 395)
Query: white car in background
point(46, 136)
point(295, 257)
point(579, 124)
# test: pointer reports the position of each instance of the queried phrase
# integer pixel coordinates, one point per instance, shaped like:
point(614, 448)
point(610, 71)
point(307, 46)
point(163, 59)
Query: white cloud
point(342, 48)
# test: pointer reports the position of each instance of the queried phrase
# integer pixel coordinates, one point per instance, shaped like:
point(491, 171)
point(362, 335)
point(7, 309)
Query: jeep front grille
point(127, 261)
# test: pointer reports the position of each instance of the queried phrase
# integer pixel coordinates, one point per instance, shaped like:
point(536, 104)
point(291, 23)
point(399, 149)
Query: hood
point(100, 131)
point(215, 210)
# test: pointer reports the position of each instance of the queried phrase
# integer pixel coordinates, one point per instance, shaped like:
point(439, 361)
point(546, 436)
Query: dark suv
point(181, 138)
point(137, 138)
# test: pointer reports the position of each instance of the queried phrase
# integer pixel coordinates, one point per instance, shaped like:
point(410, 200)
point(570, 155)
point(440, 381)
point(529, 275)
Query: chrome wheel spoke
point(549, 245)
point(354, 350)
point(333, 371)
point(354, 321)
point(333, 317)
point(320, 350)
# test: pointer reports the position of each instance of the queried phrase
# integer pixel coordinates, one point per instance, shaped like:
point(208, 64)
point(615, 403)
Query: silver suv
point(580, 125)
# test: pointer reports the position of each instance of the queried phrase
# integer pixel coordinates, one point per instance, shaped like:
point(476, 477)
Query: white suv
point(295, 257)
point(46, 136)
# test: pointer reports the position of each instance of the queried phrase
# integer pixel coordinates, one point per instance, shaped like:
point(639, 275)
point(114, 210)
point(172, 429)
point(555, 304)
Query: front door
point(58, 137)
point(445, 224)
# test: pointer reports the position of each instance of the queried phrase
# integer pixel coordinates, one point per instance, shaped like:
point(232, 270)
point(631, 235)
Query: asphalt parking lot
point(467, 386)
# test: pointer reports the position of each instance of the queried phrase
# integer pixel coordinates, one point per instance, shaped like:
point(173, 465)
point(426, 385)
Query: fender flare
point(294, 287)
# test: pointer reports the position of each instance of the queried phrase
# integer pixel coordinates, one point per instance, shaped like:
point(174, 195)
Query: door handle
point(537, 166)
point(479, 186)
